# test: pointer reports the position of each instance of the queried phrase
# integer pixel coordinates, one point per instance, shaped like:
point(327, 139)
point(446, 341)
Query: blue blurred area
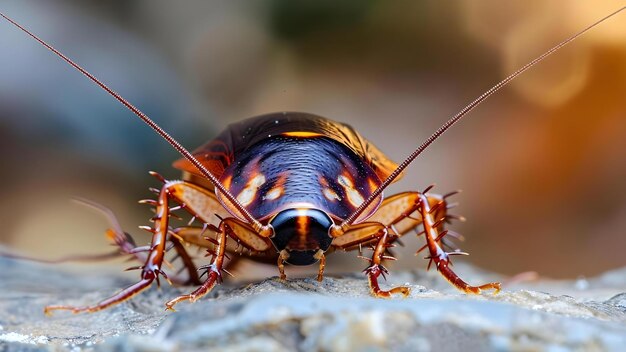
point(47, 103)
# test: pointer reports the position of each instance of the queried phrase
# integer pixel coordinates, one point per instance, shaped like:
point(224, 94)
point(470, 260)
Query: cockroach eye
point(302, 232)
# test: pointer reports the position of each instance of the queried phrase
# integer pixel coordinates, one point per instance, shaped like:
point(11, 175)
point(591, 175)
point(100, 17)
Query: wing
point(219, 153)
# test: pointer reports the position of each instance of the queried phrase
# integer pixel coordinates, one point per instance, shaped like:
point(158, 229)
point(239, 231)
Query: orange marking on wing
point(248, 194)
point(274, 193)
point(373, 184)
point(301, 134)
point(323, 181)
point(278, 189)
point(354, 197)
point(331, 195)
point(227, 181)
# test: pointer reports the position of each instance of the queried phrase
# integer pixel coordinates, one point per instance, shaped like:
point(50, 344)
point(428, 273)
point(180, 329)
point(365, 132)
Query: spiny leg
point(154, 257)
point(201, 203)
point(188, 264)
point(150, 270)
point(213, 271)
point(439, 256)
point(403, 212)
point(365, 233)
point(376, 269)
point(400, 213)
point(196, 235)
point(392, 220)
point(229, 228)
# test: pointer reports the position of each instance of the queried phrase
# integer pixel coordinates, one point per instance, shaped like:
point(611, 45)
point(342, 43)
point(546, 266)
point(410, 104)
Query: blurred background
point(542, 164)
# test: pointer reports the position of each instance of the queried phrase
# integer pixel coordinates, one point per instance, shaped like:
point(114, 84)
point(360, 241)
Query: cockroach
point(289, 187)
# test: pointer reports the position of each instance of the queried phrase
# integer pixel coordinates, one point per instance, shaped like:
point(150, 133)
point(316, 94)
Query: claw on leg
point(121, 296)
point(376, 269)
point(213, 278)
point(457, 282)
point(214, 271)
point(151, 268)
point(372, 276)
point(440, 257)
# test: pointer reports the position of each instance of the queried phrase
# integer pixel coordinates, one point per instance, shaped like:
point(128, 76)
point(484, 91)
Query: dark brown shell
point(220, 152)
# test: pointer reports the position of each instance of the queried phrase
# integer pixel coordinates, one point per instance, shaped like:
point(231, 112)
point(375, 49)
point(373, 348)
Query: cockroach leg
point(121, 296)
point(196, 235)
point(322, 258)
point(150, 270)
point(202, 204)
point(282, 257)
point(376, 269)
point(228, 228)
point(188, 263)
point(125, 243)
point(398, 215)
point(439, 256)
point(359, 235)
point(115, 234)
point(213, 271)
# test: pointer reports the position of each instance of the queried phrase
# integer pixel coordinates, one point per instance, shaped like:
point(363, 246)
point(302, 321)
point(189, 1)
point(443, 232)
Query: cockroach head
point(302, 232)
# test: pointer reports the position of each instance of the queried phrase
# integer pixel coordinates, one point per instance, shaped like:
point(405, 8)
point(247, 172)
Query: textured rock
point(302, 314)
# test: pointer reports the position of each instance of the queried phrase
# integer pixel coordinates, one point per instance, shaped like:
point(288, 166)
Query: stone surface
point(303, 314)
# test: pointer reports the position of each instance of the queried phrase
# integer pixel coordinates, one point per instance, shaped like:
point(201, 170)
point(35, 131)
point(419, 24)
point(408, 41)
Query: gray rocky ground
point(302, 314)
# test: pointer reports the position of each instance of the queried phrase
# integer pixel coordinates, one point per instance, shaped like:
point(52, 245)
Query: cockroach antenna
point(182, 150)
point(456, 118)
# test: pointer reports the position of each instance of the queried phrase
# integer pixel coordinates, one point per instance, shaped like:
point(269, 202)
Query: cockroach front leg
point(201, 203)
point(366, 233)
point(440, 257)
point(150, 270)
point(322, 258)
point(213, 270)
point(376, 269)
point(282, 257)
